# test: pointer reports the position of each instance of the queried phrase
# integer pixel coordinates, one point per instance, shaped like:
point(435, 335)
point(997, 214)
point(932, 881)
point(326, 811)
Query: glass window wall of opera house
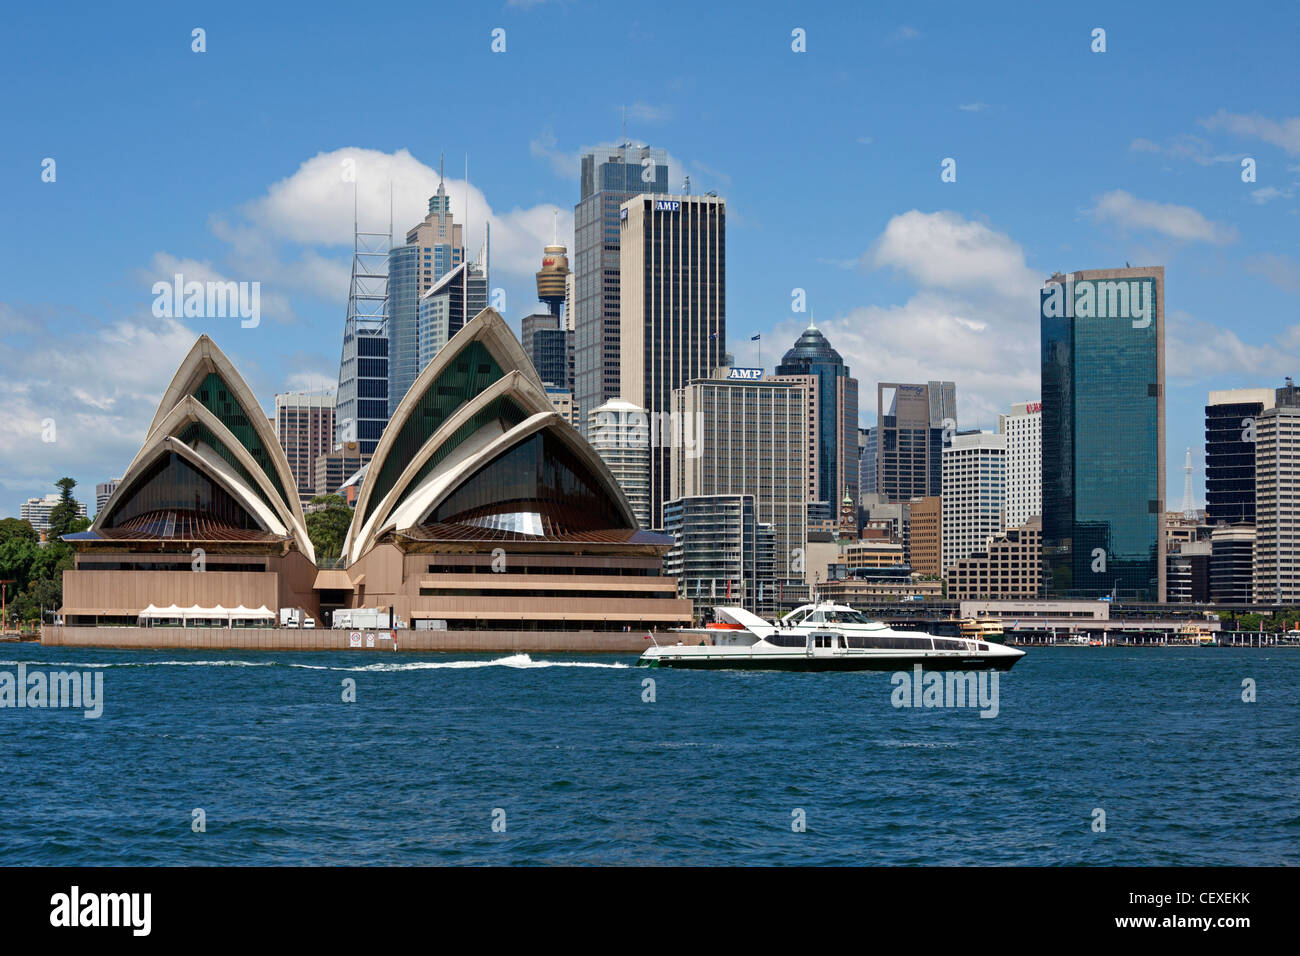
point(481, 510)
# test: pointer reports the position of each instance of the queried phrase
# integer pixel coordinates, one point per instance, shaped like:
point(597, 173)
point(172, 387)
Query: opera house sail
point(482, 513)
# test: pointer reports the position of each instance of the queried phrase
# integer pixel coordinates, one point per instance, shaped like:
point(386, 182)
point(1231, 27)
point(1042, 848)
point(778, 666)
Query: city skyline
point(912, 278)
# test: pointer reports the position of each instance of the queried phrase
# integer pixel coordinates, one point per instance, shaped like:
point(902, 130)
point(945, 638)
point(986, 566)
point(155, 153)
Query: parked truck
point(295, 617)
point(365, 619)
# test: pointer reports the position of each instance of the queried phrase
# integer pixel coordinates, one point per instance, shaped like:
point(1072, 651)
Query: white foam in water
point(521, 661)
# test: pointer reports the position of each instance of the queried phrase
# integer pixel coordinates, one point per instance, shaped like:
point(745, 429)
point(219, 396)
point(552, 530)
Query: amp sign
point(745, 373)
point(668, 205)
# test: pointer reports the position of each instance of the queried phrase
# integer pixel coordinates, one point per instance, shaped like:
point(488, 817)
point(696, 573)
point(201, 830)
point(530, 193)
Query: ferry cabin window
point(888, 643)
point(983, 647)
point(788, 640)
point(942, 645)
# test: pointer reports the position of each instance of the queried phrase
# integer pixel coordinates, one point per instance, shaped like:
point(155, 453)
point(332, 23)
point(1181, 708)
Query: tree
point(11, 528)
point(64, 513)
point(327, 525)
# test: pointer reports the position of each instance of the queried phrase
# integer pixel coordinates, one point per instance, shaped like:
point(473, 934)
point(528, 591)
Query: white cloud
point(947, 251)
point(1277, 132)
point(1168, 219)
point(314, 206)
point(1188, 147)
point(100, 383)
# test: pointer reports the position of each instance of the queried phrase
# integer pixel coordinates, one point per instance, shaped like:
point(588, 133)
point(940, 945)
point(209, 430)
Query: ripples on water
point(710, 773)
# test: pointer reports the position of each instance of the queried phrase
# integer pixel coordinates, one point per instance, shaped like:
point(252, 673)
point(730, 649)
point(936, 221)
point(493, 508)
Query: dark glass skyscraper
point(1103, 372)
point(610, 176)
point(1230, 454)
point(837, 414)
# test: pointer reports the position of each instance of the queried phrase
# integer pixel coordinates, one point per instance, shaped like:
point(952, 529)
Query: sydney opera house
point(484, 521)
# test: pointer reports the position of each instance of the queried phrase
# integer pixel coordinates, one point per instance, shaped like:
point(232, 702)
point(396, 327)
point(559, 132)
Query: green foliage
point(36, 570)
point(64, 514)
point(328, 526)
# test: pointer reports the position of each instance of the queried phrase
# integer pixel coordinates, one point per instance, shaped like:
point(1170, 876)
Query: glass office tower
point(1103, 334)
point(611, 175)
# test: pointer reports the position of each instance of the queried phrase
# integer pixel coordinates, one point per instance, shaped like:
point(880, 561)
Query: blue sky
point(225, 164)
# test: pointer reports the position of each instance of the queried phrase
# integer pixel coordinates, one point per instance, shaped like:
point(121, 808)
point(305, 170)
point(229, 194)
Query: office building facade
point(1230, 417)
point(673, 308)
point(746, 438)
point(974, 490)
point(1024, 431)
point(722, 553)
point(610, 176)
point(1277, 506)
point(304, 425)
point(451, 302)
point(433, 248)
point(910, 436)
point(36, 511)
point(835, 399)
point(1103, 375)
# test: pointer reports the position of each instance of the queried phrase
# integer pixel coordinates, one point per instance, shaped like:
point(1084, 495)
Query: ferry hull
point(855, 663)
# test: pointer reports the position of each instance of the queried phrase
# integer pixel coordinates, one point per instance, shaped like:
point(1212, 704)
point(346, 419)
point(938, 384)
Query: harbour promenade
point(325, 639)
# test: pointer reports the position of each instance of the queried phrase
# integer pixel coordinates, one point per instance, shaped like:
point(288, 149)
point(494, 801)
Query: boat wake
point(521, 661)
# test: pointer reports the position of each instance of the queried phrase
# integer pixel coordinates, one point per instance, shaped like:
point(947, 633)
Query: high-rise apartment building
point(722, 553)
point(304, 425)
point(1024, 431)
point(746, 437)
point(910, 435)
point(835, 401)
point(37, 510)
point(974, 489)
point(104, 491)
point(336, 466)
point(672, 307)
point(1103, 375)
point(433, 248)
point(610, 176)
point(620, 433)
point(1230, 419)
point(1277, 506)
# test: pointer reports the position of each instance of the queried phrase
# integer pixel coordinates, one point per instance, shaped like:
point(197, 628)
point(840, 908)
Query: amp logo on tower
point(668, 205)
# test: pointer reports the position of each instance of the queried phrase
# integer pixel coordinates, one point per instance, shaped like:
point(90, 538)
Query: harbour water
point(580, 768)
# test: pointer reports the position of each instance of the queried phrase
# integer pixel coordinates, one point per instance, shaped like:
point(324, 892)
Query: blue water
point(709, 773)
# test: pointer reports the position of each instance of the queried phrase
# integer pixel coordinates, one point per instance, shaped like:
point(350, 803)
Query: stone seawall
point(292, 639)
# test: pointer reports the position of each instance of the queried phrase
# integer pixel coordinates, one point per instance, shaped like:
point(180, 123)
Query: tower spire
point(1189, 505)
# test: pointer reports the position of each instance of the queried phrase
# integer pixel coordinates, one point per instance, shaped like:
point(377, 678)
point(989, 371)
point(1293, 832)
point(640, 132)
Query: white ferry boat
point(823, 638)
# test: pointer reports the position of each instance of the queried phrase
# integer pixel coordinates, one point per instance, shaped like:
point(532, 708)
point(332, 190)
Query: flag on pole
point(755, 338)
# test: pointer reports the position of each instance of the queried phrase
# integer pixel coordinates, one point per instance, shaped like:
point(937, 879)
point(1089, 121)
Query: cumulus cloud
point(947, 251)
point(1167, 219)
point(973, 318)
point(315, 206)
point(99, 383)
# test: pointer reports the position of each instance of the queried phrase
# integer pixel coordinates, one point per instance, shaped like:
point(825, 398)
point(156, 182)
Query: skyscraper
point(1024, 431)
point(974, 486)
point(747, 437)
point(433, 248)
point(361, 405)
point(104, 491)
point(1230, 424)
point(610, 177)
point(1103, 373)
point(1277, 508)
point(868, 439)
point(304, 425)
point(673, 307)
point(548, 345)
point(836, 411)
point(910, 438)
point(452, 301)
